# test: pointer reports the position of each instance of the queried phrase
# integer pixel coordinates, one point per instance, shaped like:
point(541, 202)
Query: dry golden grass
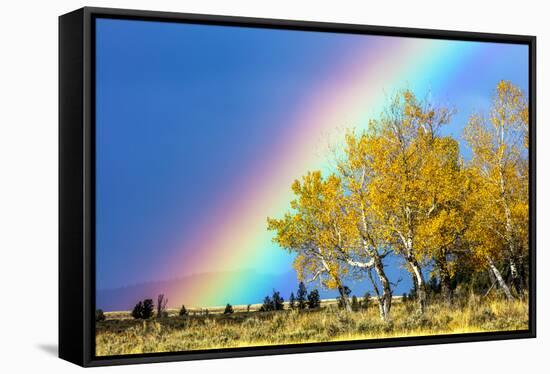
point(118, 335)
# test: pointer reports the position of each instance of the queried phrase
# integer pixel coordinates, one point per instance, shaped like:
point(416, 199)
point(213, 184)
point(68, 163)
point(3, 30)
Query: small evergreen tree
point(365, 303)
point(301, 296)
point(143, 309)
point(148, 309)
point(228, 309)
point(292, 301)
point(313, 299)
point(183, 311)
point(137, 312)
point(404, 298)
point(267, 306)
point(99, 315)
point(278, 301)
point(355, 306)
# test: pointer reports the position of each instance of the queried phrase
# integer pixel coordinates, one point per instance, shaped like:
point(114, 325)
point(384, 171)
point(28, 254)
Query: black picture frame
point(77, 181)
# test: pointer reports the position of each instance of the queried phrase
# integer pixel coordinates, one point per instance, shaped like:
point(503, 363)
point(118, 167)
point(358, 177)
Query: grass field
point(119, 334)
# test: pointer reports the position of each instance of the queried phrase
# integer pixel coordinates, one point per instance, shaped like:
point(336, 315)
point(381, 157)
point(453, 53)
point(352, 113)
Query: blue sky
point(181, 108)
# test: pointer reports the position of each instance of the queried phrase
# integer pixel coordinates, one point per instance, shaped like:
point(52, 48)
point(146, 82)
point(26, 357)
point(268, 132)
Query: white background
point(28, 183)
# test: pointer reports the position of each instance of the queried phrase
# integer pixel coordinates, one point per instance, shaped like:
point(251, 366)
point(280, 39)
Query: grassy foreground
point(122, 335)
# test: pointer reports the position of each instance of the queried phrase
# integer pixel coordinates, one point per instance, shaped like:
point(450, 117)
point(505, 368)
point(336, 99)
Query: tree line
point(402, 187)
point(303, 300)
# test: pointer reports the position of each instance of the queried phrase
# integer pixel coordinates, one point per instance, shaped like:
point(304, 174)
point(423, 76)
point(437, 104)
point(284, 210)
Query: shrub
point(228, 309)
point(482, 316)
point(161, 306)
point(183, 311)
point(99, 315)
point(334, 328)
point(370, 326)
point(313, 300)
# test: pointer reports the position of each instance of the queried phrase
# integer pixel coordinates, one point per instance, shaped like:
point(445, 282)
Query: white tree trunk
point(420, 286)
point(384, 300)
point(502, 284)
point(510, 234)
point(417, 275)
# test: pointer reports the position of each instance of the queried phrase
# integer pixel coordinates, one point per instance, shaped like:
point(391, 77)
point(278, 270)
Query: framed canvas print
point(238, 186)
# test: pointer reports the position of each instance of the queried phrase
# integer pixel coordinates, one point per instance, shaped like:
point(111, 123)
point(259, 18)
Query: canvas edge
point(71, 331)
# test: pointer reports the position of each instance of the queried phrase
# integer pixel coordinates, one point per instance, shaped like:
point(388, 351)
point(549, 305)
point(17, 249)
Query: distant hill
point(258, 286)
point(250, 287)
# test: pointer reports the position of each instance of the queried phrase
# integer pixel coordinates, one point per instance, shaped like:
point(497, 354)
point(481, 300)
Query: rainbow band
point(349, 98)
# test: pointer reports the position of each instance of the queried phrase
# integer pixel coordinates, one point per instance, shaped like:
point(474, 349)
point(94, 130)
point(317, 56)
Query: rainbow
point(236, 236)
